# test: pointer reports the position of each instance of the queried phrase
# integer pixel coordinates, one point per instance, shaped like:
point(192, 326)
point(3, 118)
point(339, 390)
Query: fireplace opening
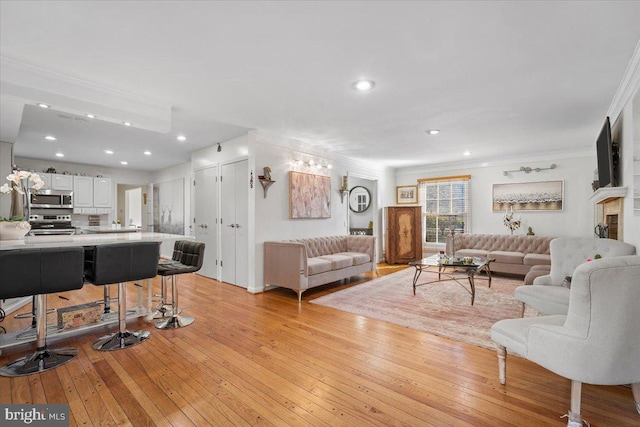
point(612, 226)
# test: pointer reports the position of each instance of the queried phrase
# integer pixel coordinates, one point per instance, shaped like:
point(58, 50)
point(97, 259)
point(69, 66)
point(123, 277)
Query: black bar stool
point(163, 309)
point(39, 272)
point(188, 257)
point(121, 263)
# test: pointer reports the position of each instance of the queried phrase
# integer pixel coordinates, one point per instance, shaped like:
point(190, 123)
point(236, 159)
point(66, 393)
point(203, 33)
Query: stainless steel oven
point(51, 225)
point(51, 199)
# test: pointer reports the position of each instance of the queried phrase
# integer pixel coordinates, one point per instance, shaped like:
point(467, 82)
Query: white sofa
point(547, 295)
point(304, 263)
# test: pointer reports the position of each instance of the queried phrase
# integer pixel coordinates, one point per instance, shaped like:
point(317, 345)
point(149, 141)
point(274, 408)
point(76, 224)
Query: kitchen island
point(144, 307)
point(87, 240)
point(106, 230)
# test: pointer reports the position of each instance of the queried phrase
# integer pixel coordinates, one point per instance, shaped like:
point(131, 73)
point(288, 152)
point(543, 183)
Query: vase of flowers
point(15, 227)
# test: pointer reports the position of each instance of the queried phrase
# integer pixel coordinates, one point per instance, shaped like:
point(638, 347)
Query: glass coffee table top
point(452, 268)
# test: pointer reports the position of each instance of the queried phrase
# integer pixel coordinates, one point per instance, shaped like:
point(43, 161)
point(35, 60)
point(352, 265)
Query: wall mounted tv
point(607, 153)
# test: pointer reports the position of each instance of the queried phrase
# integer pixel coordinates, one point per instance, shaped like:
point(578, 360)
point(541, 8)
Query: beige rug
point(442, 308)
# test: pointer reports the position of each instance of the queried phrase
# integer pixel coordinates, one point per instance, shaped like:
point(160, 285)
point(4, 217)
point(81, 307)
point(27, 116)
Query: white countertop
point(88, 240)
point(107, 229)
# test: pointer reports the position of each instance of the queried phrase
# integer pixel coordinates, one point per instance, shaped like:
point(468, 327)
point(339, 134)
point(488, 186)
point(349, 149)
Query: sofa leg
point(502, 363)
point(522, 307)
point(635, 387)
point(299, 292)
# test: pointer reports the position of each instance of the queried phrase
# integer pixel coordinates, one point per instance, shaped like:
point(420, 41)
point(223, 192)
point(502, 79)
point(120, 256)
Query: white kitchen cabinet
point(102, 192)
point(61, 182)
point(46, 178)
point(82, 192)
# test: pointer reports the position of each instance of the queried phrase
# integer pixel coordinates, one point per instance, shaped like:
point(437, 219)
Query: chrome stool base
point(164, 312)
point(175, 322)
point(40, 361)
point(119, 340)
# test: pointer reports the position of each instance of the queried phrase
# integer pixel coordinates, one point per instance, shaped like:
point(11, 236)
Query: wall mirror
point(359, 199)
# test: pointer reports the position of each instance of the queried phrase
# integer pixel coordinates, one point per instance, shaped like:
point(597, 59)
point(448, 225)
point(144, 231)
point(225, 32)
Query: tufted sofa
point(512, 254)
point(306, 263)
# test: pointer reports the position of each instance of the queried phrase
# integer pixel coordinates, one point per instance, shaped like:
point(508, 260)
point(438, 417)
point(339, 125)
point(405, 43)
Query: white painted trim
point(628, 86)
point(71, 94)
point(607, 193)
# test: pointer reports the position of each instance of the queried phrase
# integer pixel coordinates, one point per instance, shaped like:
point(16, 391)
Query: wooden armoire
point(403, 235)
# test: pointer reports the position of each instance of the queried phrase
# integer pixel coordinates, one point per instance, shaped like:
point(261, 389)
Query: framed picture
point(407, 194)
point(309, 196)
point(529, 196)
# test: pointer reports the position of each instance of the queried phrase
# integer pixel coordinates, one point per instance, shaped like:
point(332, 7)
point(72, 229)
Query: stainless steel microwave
point(51, 199)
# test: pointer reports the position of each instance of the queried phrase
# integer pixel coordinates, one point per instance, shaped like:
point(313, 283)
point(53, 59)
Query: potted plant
point(15, 227)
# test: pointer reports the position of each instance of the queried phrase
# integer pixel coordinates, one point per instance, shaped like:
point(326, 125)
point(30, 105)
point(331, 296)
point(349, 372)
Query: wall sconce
point(527, 169)
point(219, 148)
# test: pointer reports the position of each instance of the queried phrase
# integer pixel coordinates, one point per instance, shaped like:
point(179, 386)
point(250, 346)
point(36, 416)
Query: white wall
point(6, 155)
point(630, 136)
point(576, 218)
point(272, 213)
point(625, 112)
point(181, 171)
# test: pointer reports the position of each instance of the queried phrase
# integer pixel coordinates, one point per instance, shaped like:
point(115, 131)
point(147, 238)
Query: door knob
point(232, 226)
point(237, 225)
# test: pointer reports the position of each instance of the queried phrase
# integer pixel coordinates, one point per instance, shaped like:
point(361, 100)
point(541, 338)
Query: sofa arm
point(285, 263)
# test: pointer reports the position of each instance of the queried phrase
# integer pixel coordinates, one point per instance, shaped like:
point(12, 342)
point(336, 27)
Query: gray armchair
point(547, 295)
point(597, 342)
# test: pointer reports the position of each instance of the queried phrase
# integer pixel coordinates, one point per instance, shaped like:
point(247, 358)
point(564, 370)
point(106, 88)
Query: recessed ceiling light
point(124, 163)
point(108, 151)
point(50, 138)
point(181, 138)
point(91, 116)
point(147, 153)
point(467, 153)
point(364, 85)
point(126, 123)
point(433, 131)
point(41, 105)
point(59, 155)
point(329, 166)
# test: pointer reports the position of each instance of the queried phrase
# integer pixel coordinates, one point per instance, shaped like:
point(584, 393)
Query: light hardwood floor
point(266, 360)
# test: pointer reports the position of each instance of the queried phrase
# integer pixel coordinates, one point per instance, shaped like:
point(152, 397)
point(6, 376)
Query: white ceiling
point(500, 79)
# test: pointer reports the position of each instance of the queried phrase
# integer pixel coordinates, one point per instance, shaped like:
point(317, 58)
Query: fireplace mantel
point(606, 194)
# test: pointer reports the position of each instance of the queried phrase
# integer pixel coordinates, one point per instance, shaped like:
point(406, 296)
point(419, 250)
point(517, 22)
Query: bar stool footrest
point(164, 312)
point(119, 340)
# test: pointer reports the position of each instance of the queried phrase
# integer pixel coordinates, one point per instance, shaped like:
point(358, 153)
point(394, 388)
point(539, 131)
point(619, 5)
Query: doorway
point(362, 205)
point(234, 219)
point(205, 219)
point(131, 206)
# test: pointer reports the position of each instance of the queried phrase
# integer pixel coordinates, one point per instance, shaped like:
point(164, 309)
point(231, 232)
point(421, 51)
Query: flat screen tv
point(606, 153)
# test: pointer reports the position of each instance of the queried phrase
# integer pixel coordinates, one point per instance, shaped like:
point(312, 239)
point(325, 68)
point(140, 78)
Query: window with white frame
point(446, 206)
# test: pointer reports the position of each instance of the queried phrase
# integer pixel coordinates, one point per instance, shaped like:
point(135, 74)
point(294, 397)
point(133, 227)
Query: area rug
point(442, 308)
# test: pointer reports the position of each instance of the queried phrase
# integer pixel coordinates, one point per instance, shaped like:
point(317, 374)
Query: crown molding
point(628, 86)
point(78, 96)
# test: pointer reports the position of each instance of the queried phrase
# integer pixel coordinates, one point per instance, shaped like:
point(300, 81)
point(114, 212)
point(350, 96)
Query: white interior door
point(205, 221)
point(234, 189)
